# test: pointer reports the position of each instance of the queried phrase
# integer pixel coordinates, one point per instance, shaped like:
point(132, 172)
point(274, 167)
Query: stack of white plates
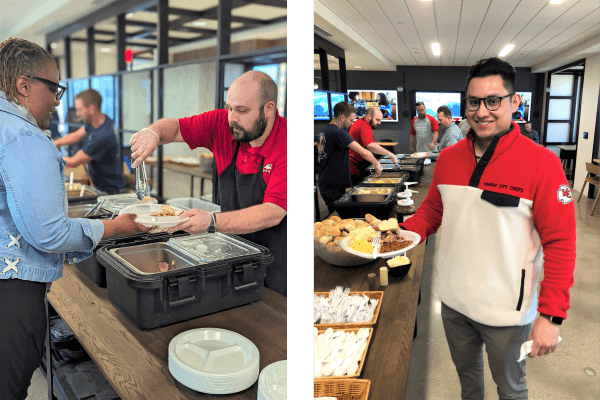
point(272, 382)
point(214, 361)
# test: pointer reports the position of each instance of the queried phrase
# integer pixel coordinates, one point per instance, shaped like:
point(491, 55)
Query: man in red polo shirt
point(249, 142)
point(362, 132)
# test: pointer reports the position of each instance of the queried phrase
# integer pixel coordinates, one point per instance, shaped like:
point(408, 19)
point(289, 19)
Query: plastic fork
point(376, 243)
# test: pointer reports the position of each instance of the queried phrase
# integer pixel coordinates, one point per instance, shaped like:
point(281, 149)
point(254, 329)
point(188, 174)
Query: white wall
point(589, 108)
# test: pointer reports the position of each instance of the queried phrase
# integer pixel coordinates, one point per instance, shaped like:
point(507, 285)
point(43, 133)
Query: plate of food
point(155, 215)
point(394, 241)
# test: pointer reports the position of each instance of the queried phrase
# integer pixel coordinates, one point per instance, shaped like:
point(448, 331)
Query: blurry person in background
point(101, 150)
point(464, 126)
point(425, 128)
point(35, 232)
point(362, 132)
point(249, 143)
point(450, 132)
point(334, 144)
point(384, 105)
point(531, 133)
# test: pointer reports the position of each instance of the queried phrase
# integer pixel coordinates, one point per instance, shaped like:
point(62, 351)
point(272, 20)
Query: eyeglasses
point(57, 89)
point(492, 103)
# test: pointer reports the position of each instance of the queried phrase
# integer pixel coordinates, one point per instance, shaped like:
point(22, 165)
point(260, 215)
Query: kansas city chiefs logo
point(564, 194)
point(268, 168)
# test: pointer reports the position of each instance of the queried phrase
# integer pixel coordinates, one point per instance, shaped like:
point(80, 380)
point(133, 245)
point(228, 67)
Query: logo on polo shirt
point(564, 194)
point(268, 168)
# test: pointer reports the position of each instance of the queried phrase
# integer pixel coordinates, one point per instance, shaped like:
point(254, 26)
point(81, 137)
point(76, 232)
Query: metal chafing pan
point(370, 195)
point(143, 259)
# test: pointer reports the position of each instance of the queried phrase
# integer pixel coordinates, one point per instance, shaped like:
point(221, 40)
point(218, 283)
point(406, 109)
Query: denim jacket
point(35, 232)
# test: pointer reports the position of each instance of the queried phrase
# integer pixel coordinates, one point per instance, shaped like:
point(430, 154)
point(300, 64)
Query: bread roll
point(322, 232)
point(318, 225)
point(338, 239)
point(325, 239)
point(370, 218)
point(328, 222)
point(347, 221)
point(350, 227)
point(331, 244)
point(332, 231)
point(389, 225)
point(336, 219)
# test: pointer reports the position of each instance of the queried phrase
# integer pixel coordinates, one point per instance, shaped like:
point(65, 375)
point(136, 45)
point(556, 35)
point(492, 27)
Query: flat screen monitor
point(321, 105)
point(523, 113)
point(433, 100)
point(386, 100)
point(270, 69)
point(336, 98)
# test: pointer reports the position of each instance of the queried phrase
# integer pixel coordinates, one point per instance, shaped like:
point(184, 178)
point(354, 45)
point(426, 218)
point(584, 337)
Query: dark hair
point(420, 103)
point(343, 108)
point(19, 57)
point(445, 110)
point(494, 66)
point(352, 95)
point(383, 100)
point(527, 122)
point(90, 97)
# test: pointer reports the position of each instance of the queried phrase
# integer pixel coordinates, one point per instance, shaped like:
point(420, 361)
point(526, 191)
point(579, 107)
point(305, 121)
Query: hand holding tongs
point(142, 188)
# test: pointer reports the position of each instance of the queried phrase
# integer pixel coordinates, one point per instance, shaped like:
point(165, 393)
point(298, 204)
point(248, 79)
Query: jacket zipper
point(522, 290)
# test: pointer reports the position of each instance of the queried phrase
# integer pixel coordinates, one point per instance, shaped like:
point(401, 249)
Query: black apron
point(238, 191)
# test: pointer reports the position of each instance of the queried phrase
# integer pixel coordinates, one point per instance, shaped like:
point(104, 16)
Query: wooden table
point(388, 356)
point(568, 153)
point(135, 362)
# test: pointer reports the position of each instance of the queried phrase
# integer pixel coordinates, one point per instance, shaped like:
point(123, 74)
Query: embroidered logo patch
point(564, 194)
point(267, 168)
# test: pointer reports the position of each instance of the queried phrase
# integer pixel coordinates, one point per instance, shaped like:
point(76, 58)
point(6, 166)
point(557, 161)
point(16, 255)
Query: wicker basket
point(343, 389)
point(371, 295)
point(362, 359)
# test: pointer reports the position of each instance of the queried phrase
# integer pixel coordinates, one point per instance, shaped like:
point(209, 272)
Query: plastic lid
point(210, 247)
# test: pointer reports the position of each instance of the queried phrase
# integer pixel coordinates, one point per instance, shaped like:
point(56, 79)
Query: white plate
point(213, 360)
point(419, 155)
point(415, 237)
point(191, 161)
point(272, 382)
point(143, 210)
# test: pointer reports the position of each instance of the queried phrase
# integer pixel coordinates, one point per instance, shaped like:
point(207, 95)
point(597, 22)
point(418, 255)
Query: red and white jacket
point(496, 217)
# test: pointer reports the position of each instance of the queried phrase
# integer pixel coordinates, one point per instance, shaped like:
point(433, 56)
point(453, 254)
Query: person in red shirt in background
point(362, 132)
point(249, 142)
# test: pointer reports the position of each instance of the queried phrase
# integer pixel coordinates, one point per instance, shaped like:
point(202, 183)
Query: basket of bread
point(328, 235)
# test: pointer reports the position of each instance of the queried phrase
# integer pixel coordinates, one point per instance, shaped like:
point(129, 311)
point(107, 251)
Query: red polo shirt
point(362, 132)
point(211, 130)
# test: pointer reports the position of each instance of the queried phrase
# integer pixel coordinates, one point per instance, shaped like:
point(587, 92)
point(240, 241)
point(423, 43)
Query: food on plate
point(388, 225)
point(337, 229)
point(146, 199)
point(167, 211)
point(371, 219)
point(391, 241)
point(366, 233)
point(361, 245)
point(398, 261)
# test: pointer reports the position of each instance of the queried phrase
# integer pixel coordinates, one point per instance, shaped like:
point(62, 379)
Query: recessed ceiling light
point(556, 1)
point(105, 49)
point(199, 23)
point(129, 15)
point(506, 50)
point(436, 49)
point(53, 45)
point(357, 66)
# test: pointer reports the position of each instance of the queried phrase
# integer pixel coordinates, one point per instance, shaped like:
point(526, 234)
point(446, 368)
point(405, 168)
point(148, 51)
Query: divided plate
point(415, 237)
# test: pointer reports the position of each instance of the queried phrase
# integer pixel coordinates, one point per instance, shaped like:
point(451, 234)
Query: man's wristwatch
point(554, 320)
point(212, 228)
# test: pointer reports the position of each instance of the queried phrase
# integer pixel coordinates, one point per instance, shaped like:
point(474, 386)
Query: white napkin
point(427, 161)
point(526, 349)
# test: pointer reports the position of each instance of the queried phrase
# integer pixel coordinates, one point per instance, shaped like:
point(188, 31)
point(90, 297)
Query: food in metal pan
point(383, 190)
point(163, 266)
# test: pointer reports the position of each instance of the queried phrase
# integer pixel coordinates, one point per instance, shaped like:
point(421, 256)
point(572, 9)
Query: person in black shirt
point(531, 133)
point(333, 144)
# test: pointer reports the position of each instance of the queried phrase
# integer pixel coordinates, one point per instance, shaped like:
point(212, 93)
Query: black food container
point(347, 207)
point(415, 171)
point(208, 273)
point(97, 273)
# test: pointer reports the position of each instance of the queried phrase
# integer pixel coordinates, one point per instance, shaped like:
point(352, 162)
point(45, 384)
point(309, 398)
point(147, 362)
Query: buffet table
point(388, 356)
point(135, 362)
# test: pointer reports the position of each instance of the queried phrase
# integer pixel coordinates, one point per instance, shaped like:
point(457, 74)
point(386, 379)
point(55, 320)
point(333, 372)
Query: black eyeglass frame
point(52, 85)
point(484, 99)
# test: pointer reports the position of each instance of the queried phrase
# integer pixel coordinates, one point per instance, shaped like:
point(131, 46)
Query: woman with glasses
point(35, 232)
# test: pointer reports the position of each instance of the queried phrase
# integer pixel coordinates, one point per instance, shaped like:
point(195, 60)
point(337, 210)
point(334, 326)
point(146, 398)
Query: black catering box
point(208, 273)
point(348, 205)
point(96, 272)
point(415, 170)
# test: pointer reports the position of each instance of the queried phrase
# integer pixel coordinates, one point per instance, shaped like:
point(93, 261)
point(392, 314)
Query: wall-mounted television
point(324, 103)
point(433, 100)
point(386, 100)
point(523, 113)
point(321, 105)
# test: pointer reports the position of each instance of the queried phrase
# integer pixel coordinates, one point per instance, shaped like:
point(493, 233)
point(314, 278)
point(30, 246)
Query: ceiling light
point(105, 49)
point(53, 45)
point(506, 50)
point(130, 15)
point(436, 49)
point(357, 66)
point(199, 23)
point(556, 1)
